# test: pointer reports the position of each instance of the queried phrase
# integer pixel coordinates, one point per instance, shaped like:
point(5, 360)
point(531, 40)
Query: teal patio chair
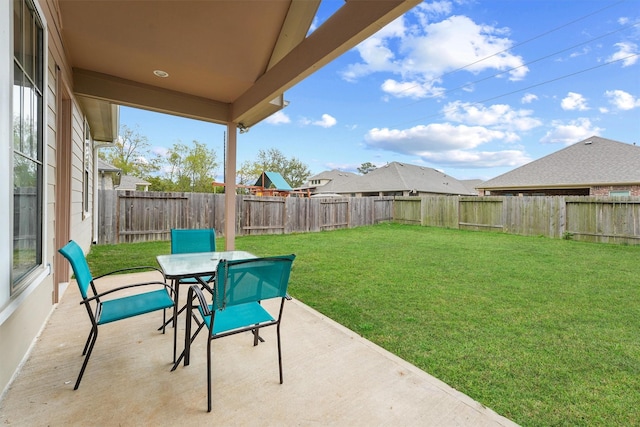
point(101, 310)
point(240, 287)
point(184, 241)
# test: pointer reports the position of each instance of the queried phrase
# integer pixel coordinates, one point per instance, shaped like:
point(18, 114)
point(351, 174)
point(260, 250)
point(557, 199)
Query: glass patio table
point(200, 266)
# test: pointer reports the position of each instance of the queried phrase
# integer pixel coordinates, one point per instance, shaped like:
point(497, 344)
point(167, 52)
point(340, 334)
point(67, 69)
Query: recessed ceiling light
point(161, 73)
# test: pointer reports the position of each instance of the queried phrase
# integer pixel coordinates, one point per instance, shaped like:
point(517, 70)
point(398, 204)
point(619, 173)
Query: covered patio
point(331, 377)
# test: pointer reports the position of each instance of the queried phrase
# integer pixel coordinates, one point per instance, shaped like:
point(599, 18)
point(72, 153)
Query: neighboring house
point(471, 184)
point(324, 182)
point(66, 66)
point(111, 178)
point(592, 167)
point(128, 182)
point(393, 179)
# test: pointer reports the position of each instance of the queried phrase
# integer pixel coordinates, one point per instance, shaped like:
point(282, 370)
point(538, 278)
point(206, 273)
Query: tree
point(292, 170)
point(367, 167)
point(131, 154)
point(161, 184)
point(191, 168)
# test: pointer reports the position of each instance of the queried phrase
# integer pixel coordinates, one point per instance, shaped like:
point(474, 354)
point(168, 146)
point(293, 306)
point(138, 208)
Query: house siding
point(22, 316)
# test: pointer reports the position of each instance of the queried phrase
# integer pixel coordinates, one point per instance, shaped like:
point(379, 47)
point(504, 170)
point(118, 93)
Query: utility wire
point(479, 103)
point(524, 65)
point(520, 44)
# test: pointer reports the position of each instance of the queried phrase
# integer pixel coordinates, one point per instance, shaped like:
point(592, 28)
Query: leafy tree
point(366, 167)
point(292, 170)
point(191, 168)
point(131, 154)
point(161, 184)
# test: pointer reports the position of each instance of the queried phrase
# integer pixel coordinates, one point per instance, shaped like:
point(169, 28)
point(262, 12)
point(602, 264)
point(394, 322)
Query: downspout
point(230, 189)
point(95, 226)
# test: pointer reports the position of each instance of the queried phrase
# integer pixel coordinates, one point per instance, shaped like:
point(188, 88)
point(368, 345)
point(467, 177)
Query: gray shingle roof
point(471, 184)
point(106, 167)
point(398, 177)
point(128, 182)
point(332, 174)
point(593, 161)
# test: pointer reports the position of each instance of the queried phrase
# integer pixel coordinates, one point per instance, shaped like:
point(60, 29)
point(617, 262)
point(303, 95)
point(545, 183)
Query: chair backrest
point(73, 253)
point(185, 241)
point(243, 281)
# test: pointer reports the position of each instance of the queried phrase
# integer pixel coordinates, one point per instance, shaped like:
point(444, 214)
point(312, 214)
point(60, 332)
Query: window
point(626, 193)
point(28, 67)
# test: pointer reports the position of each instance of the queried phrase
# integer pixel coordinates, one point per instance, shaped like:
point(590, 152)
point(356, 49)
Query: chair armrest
point(129, 269)
point(169, 289)
point(202, 300)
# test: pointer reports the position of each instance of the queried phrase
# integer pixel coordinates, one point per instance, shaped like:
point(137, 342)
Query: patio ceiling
point(227, 61)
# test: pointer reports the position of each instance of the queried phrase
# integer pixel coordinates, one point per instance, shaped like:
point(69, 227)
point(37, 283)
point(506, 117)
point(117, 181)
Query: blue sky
point(471, 88)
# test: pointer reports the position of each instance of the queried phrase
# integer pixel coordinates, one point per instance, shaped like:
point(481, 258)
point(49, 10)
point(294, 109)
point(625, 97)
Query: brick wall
point(604, 190)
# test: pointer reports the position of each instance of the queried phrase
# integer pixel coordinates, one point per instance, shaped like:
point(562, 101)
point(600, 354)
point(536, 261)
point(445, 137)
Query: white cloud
point(528, 98)
point(627, 53)
point(426, 12)
point(421, 55)
point(457, 42)
point(498, 116)
point(570, 133)
point(574, 101)
point(479, 159)
point(376, 53)
point(278, 118)
point(435, 137)
point(622, 100)
point(414, 89)
point(327, 121)
point(447, 145)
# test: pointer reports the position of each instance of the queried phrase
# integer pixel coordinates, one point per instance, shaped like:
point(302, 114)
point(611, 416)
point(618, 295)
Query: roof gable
point(593, 161)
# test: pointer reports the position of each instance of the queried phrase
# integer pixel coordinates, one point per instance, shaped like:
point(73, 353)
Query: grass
point(544, 332)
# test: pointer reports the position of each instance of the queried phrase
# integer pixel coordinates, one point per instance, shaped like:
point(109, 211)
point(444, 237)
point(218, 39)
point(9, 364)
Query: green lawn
point(543, 331)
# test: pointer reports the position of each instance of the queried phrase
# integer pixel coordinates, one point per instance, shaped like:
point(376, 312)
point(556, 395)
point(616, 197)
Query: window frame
point(29, 80)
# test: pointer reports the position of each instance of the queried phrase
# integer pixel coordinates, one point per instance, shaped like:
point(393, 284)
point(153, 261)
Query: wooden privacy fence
point(595, 219)
point(137, 216)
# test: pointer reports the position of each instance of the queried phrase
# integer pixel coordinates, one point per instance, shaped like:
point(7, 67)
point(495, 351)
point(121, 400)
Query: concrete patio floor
point(331, 377)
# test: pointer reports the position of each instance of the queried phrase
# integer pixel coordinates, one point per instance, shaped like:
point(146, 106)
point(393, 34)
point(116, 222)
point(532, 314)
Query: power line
point(520, 44)
point(528, 87)
point(526, 63)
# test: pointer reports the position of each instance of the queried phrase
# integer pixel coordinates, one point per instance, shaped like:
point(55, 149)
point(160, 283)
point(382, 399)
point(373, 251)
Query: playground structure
point(270, 184)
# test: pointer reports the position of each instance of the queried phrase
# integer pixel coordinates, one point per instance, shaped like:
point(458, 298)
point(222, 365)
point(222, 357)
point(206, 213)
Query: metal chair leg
point(209, 374)
point(94, 336)
point(86, 345)
point(279, 352)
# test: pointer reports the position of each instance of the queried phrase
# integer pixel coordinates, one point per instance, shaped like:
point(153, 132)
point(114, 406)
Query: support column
point(230, 189)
